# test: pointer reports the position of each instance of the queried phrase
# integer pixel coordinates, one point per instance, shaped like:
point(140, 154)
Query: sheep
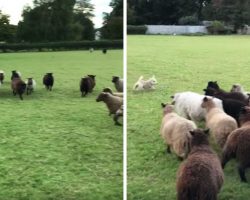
point(18, 87)
point(113, 103)
point(31, 85)
point(175, 131)
point(104, 51)
point(220, 124)
point(118, 82)
point(200, 176)
point(117, 115)
point(1, 76)
point(15, 74)
point(213, 89)
point(149, 84)
point(238, 145)
point(109, 90)
point(239, 88)
point(187, 104)
point(48, 81)
point(232, 107)
point(87, 84)
point(91, 50)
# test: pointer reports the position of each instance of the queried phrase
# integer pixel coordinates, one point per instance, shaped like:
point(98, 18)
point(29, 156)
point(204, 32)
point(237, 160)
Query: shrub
point(218, 27)
point(58, 46)
point(136, 30)
point(188, 20)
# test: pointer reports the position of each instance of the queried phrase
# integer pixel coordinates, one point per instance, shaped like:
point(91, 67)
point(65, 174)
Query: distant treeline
point(234, 13)
point(57, 20)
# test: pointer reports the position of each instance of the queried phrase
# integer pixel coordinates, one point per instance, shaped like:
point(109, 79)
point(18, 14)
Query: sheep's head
point(213, 84)
point(108, 90)
point(199, 137)
point(167, 108)
point(206, 102)
point(210, 91)
point(115, 79)
point(102, 96)
point(92, 76)
point(236, 88)
point(153, 80)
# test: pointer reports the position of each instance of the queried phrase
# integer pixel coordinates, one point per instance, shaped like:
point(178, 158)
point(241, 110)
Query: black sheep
point(48, 81)
point(15, 74)
point(87, 84)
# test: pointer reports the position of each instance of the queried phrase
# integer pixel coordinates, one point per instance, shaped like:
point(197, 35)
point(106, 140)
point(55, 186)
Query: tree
point(57, 20)
point(7, 31)
point(113, 22)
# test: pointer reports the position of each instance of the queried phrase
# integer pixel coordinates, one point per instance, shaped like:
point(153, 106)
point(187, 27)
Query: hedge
point(136, 30)
point(57, 46)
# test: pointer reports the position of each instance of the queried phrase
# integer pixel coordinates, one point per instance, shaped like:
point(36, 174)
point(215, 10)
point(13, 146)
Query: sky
point(14, 8)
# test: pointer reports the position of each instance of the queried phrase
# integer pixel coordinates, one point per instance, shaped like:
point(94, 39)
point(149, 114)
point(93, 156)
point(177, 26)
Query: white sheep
point(149, 84)
point(31, 85)
point(187, 104)
point(175, 131)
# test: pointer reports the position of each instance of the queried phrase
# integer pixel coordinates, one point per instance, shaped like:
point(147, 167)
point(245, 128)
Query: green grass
point(179, 63)
point(57, 145)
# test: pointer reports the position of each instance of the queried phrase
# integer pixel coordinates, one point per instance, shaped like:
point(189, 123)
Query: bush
point(58, 46)
point(136, 30)
point(188, 20)
point(218, 27)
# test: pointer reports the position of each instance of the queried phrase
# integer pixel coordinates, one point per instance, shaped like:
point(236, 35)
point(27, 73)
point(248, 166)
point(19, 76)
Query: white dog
point(145, 84)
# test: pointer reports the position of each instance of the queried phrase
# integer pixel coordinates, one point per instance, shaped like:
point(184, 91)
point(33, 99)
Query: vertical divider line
point(125, 99)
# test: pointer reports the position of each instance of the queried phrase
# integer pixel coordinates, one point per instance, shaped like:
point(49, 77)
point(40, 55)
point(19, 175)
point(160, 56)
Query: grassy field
point(57, 145)
point(180, 64)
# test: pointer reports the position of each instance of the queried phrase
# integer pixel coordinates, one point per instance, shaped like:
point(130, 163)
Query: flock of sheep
point(113, 100)
point(227, 118)
point(19, 86)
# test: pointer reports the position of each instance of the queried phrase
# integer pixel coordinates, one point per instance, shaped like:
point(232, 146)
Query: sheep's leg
point(241, 171)
point(20, 95)
point(116, 120)
point(14, 93)
point(50, 88)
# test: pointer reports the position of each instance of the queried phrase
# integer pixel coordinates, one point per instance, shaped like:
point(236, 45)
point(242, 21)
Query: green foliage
point(152, 172)
point(58, 145)
point(57, 20)
point(188, 20)
point(7, 31)
point(56, 46)
point(136, 30)
point(217, 27)
point(113, 22)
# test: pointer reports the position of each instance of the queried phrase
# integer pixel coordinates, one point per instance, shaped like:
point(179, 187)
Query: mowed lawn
point(180, 63)
point(58, 145)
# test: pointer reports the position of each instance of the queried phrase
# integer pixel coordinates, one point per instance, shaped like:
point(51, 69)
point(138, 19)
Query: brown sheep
point(117, 115)
point(112, 102)
point(220, 124)
point(238, 144)
point(48, 81)
point(1, 76)
point(118, 83)
point(175, 131)
point(18, 87)
point(200, 176)
point(109, 90)
point(87, 84)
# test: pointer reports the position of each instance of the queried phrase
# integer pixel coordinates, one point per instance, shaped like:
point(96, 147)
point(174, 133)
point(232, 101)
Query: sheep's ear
point(163, 105)
point(191, 132)
point(243, 109)
point(205, 99)
point(204, 90)
point(206, 131)
point(173, 102)
point(172, 97)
